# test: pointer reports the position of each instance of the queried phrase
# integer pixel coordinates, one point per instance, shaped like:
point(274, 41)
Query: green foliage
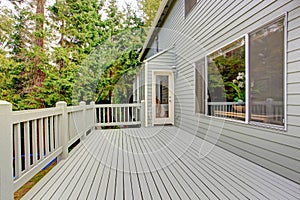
point(149, 8)
point(72, 54)
point(222, 71)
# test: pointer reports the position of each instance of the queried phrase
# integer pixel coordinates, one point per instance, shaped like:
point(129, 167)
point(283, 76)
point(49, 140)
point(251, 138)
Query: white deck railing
point(30, 140)
point(118, 114)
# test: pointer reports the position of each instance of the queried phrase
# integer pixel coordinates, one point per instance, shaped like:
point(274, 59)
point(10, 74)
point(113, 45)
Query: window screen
point(267, 74)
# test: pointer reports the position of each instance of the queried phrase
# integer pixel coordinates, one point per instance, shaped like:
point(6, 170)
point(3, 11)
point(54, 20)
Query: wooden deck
point(158, 163)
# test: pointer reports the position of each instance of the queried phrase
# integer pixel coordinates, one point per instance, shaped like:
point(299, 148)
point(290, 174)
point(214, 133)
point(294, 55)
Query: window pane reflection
point(162, 96)
point(266, 74)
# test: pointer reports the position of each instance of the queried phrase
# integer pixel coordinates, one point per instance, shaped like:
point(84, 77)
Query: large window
point(226, 81)
point(267, 73)
point(188, 5)
point(200, 86)
point(229, 95)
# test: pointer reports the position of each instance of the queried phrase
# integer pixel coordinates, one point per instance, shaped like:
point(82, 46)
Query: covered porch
point(162, 162)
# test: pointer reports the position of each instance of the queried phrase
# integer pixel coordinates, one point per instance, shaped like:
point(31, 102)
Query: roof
point(157, 22)
point(159, 53)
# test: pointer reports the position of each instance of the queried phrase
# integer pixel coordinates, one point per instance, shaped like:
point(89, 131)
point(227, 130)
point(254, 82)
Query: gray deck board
point(157, 163)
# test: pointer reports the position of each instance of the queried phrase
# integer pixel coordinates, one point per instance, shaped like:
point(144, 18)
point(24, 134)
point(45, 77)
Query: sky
point(121, 3)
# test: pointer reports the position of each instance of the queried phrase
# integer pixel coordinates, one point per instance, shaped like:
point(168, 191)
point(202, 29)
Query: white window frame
point(195, 85)
point(247, 75)
point(285, 25)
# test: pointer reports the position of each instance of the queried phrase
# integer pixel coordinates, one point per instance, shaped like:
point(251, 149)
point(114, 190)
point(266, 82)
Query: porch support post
point(6, 153)
point(83, 107)
point(94, 114)
point(63, 129)
point(142, 114)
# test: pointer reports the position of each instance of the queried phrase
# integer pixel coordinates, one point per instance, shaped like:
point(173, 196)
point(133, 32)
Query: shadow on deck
point(157, 163)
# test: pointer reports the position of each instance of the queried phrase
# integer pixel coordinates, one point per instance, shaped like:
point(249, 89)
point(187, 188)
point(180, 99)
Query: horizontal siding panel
point(224, 31)
point(294, 110)
point(294, 129)
point(294, 24)
point(294, 44)
point(293, 100)
point(293, 66)
point(246, 153)
point(294, 13)
point(294, 77)
point(283, 155)
point(294, 120)
point(260, 133)
point(294, 88)
point(294, 34)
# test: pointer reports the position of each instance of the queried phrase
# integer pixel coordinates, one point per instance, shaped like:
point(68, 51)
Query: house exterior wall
point(209, 26)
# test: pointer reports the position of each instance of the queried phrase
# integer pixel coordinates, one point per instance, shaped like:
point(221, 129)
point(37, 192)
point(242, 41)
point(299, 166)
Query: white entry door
point(162, 97)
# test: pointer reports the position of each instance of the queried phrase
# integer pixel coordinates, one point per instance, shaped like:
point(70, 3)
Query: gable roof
point(157, 22)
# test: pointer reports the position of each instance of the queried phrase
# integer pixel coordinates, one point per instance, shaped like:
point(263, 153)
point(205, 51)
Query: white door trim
point(170, 119)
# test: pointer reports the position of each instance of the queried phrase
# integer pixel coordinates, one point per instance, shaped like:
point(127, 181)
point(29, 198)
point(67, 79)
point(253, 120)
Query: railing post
point(83, 106)
point(63, 129)
point(6, 153)
point(142, 114)
point(94, 114)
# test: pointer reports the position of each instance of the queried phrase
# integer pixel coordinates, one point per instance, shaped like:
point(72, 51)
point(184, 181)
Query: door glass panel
point(162, 96)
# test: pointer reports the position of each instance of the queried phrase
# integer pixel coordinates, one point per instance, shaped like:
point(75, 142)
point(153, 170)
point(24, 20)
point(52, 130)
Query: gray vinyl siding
point(164, 61)
point(209, 26)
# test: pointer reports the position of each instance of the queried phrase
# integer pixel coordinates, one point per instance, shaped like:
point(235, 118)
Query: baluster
point(120, 114)
point(47, 142)
point(116, 114)
point(18, 153)
point(34, 141)
point(51, 134)
point(56, 136)
point(26, 145)
point(112, 114)
point(103, 115)
point(124, 114)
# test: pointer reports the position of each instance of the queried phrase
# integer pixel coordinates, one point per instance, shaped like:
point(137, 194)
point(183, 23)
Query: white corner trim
point(146, 94)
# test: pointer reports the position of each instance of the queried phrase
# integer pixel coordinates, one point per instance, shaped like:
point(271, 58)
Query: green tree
point(79, 27)
point(120, 55)
point(149, 8)
point(26, 48)
point(68, 52)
